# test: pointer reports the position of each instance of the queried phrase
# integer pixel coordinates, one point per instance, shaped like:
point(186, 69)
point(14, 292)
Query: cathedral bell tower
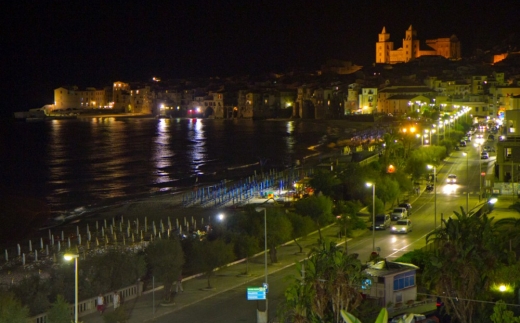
point(383, 47)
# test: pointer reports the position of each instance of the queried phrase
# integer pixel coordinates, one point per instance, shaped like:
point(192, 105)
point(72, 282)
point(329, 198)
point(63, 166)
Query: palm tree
point(462, 263)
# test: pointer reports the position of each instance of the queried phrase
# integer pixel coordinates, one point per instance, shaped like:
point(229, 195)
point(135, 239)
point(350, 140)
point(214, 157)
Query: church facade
point(386, 54)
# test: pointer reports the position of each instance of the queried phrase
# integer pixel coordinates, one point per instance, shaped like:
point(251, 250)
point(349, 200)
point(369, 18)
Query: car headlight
point(393, 228)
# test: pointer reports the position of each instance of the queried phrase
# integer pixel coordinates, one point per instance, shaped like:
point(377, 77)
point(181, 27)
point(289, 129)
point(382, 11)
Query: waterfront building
point(71, 98)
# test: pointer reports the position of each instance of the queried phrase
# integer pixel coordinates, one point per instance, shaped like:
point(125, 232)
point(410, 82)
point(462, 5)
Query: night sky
point(47, 44)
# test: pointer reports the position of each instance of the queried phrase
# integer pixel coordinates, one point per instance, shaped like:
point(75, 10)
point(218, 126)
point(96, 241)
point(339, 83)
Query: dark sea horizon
point(86, 163)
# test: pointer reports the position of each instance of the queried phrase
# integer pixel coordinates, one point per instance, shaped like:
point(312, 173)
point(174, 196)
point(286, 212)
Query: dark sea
point(85, 163)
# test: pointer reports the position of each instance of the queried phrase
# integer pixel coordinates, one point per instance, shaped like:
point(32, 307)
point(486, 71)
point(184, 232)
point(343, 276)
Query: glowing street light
point(69, 257)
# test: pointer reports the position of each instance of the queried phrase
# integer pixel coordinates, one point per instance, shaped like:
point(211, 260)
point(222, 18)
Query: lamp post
point(373, 214)
point(467, 183)
point(258, 209)
point(434, 194)
point(69, 257)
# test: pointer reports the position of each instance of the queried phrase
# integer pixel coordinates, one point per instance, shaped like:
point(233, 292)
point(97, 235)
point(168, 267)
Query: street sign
point(256, 293)
point(266, 287)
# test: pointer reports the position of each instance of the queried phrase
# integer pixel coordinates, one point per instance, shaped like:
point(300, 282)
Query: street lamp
point(373, 214)
point(258, 209)
point(467, 183)
point(434, 194)
point(69, 257)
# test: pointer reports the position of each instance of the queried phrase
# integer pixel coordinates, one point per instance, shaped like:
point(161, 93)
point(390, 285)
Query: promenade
point(147, 307)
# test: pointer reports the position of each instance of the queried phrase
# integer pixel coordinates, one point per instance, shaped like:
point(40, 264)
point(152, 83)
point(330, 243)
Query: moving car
point(401, 226)
point(399, 213)
point(382, 222)
point(452, 179)
point(484, 155)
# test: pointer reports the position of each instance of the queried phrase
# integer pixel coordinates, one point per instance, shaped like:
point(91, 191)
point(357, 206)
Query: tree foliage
point(11, 310)
point(330, 284)
point(209, 255)
point(324, 181)
point(279, 230)
point(165, 258)
point(318, 208)
point(106, 272)
point(466, 245)
point(301, 227)
point(59, 311)
point(502, 315)
point(32, 291)
point(245, 247)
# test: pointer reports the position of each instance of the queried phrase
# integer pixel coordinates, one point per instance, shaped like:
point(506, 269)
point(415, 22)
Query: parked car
point(452, 179)
point(382, 222)
point(401, 226)
point(399, 213)
point(484, 155)
point(462, 143)
point(489, 149)
point(407, 206)
point(410, 317)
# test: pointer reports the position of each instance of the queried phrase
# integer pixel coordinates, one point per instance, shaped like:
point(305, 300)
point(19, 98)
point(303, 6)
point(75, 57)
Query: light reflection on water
point(73, 163)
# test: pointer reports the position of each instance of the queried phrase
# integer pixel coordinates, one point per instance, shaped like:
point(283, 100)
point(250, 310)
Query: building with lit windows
point(386, 54)
point(70, 97)
point(368, 100)
point(400, 100)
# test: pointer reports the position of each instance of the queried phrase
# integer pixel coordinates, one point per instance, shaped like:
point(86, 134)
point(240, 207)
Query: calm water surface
point(87, 162)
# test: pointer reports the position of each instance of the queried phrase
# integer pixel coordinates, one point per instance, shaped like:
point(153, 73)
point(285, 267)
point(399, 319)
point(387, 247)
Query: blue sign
point(256, 293)
point(266, 287)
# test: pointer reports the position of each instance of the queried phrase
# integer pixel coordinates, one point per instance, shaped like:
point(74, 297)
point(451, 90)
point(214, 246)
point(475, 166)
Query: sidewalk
point(141, 309)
